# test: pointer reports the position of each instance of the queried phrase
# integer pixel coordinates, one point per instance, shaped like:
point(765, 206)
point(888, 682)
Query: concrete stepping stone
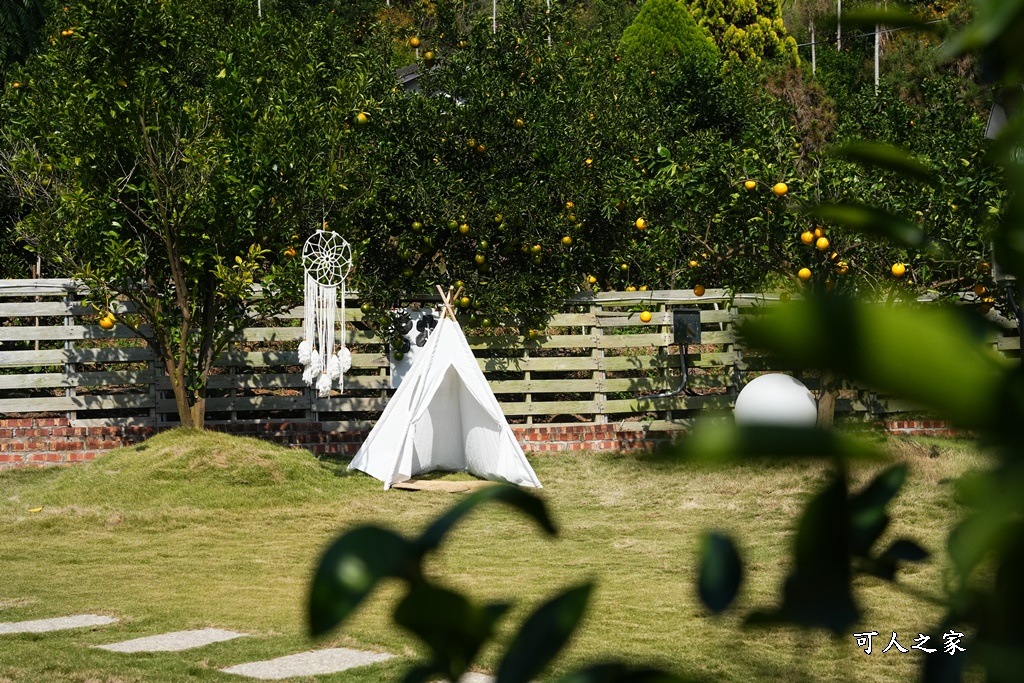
point(308, 664)
point(55, 624)
point(173, 642)
point(473, 677)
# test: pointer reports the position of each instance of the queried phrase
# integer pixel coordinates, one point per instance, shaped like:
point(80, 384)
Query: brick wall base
point(53, 441)
point(921, 428)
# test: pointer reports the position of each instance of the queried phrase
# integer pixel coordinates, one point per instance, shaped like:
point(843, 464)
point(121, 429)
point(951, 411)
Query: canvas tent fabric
point(444, 416)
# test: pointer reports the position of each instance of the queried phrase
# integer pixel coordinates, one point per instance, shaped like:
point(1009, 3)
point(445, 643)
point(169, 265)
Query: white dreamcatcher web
point(327, 261)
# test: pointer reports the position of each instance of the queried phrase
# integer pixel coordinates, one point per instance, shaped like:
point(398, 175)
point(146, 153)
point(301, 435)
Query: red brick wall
point(50, 441)
point(921, 428)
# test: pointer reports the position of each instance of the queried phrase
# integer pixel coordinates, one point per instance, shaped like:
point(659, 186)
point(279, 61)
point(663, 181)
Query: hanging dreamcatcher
point(326, 260)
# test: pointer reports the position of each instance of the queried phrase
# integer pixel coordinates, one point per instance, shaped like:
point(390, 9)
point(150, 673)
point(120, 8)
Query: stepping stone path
point(173, 642)
point(313, 663)
point(308, 664)
point(56, 624)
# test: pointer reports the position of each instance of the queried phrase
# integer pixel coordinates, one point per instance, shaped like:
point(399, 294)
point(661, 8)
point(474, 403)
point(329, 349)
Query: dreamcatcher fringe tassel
point(326, 259)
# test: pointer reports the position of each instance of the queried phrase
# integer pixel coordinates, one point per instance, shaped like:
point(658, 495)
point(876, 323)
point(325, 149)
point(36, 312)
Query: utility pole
point(814, 56)
point(839, 25)
point(877, 38)
point(494, 17)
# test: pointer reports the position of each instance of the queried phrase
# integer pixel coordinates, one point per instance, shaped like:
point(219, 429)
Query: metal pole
point(877, 36)
point(259, 8)
point(549, 22)
point(814, 56)
point(839, 25)
point(494, 17)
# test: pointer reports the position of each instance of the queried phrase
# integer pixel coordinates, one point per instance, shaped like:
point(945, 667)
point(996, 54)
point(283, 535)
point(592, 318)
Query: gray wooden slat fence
point(596, 362)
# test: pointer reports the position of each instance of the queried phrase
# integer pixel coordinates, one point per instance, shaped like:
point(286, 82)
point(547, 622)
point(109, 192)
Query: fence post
point(69, 345)
point(600, 375)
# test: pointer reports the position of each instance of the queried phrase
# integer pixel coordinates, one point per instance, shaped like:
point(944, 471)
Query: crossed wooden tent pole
point(447, 301)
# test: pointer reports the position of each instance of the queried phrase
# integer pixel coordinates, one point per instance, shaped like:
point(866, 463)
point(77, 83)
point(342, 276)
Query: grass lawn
point(192, 530)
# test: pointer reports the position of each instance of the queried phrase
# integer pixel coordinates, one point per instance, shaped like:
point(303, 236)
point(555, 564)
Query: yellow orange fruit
point(780, 189)
point(591, 279)
point(979, 289)
point(362, 119)
point(807, 237)
point(290, 252)
point(819, 232)
point(785, 296)
point(750, 184)
point(822, 243)
point(898, 269)
point(641, 224)
point(631, 288)
point(414, 42)
point(567, 241)
point(646, 316)
point(107, 321)
point(804, 274)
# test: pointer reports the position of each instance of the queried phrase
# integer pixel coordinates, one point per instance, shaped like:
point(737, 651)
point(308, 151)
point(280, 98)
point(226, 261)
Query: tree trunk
point(827, 400)
point(198, 415)
point(176, 374)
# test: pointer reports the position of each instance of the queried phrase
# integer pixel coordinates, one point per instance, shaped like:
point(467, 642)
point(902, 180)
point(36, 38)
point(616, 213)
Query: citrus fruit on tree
point(979, 289)
point(646, 316)
point(107, 322)
point(416, 226)
point(804, 274)
point(750, 184)
point(641, 224)
point(428, 56)
point(623, 267)
point(453, 225)
point(699, 290)
point(567, 241)
point(784, 296)
point(519, 124)
point(842, 267)
point(822, 243)
point(570, 206)
point(464, 229)
point(290, 252)
point(898, 269)
point(591, 279)
point(631, 288)
point(362, 119)
point(807, 237)
point(819, 232)
point(464, 302)
point(480, 259)
point(535, 249)
point(694, 263)
point(414, 42)
point(780, 189)
point(366, 307)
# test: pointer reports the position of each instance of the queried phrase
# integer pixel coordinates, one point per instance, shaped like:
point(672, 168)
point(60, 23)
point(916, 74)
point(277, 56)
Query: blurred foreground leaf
point(543, 635)
point(721, 572)
point(516, 497)
point(349, 570)
point(887, 157)
point(934, 356)
point(719, 443)
point(868, 16)
point(872, 221)
point(451, 626)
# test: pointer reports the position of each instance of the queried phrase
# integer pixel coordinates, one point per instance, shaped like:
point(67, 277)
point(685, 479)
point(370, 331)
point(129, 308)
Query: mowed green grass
point(193, 530)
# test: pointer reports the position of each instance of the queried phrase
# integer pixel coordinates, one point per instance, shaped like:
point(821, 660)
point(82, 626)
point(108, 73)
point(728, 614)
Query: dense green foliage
point(519, 171)
point(662, 30)
point(746, 30)
point(170, 151)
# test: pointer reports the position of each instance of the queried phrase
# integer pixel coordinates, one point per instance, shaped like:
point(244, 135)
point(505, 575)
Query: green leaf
point(868, 517)
point(889, 157)
point(543, 635)
point(993, 20)
point(868, 16)
point(818, 592)
point(452, 627)
point(349, 570)
point(721, 572)
point(616, 672)
point(514, 496)
point(872, 221)
point(934, 356)
point(906, 550)
point(973, 539)
point(722, 443)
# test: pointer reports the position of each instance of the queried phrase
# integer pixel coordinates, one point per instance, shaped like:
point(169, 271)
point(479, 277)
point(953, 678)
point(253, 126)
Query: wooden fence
point(597, 362)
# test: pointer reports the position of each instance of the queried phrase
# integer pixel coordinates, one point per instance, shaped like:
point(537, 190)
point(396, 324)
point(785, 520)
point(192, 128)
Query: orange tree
point(529, 168)
point(171, 152)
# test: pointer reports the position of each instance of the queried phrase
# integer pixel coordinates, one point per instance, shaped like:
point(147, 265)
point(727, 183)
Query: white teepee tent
point(444, 417)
